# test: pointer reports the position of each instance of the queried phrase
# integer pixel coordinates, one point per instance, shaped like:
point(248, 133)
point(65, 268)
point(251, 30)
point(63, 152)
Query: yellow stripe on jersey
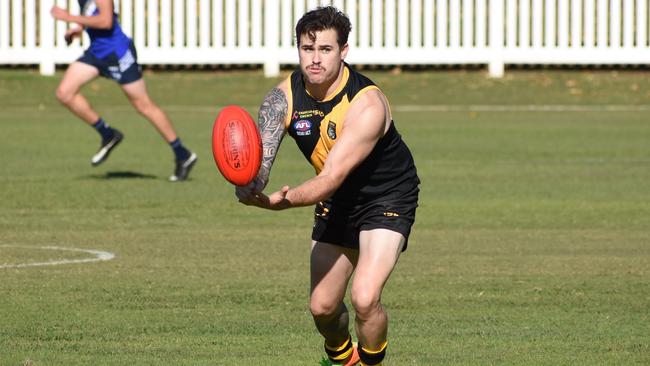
point(365, 90)
point(331, 127)
point(330, 130)
point(287, 119)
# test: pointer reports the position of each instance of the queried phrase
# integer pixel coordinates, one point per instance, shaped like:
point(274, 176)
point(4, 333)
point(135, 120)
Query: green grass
point(531, 244)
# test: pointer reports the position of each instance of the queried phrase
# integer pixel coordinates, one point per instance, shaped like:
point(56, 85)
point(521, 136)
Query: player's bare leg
point(379, 250)
point(139, 97)
point(331, 268)
point(68, 91)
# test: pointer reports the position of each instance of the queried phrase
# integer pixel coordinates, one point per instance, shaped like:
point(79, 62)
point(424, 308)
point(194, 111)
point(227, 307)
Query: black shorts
point(123, 69)
point(337, 224)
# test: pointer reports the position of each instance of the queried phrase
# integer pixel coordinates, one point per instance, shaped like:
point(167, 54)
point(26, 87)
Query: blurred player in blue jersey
point(112, 55)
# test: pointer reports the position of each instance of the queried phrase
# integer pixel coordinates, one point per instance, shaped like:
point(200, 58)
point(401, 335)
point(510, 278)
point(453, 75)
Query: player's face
point(321, 59)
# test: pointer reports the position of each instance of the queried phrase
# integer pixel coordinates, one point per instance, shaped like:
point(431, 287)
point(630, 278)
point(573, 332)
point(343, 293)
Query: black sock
point(372, 357)
point(341, 352)
point(180, 151)
point(104, 129)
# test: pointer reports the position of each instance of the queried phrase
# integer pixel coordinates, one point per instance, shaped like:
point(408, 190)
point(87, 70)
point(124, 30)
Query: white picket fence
point(385, 32)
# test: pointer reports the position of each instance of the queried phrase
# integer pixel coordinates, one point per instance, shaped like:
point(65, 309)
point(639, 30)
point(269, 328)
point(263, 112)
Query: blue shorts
point(123, 69)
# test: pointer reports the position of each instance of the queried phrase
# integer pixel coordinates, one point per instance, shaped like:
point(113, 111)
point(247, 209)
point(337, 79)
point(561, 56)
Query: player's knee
point(365, 302)
point(144, 106)
point(63, 95)
point(323, 308)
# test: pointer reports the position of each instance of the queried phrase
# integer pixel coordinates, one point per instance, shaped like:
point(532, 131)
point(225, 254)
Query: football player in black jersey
point(365, 189)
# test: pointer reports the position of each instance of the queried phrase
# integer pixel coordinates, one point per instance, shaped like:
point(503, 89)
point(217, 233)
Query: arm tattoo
point(272, 115)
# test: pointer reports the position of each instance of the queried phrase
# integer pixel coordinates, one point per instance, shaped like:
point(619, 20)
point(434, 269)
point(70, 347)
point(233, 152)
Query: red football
point(236, 145)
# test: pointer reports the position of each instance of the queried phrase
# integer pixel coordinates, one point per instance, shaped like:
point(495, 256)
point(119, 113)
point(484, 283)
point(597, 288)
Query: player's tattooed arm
point(273, 113)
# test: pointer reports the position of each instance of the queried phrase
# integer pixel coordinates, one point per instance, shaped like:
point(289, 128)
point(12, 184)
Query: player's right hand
point(70, 35)
point(68, 39)
point(249, 192)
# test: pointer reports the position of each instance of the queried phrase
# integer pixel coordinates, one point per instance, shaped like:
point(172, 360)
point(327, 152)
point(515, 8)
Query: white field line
point(99, 255)
point(405, 108)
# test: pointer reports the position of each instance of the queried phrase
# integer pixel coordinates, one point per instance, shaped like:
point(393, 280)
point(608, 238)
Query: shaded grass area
point(530, 246)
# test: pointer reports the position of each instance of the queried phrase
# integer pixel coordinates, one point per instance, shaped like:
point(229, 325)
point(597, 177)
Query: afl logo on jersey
point(331, 130)
point(302, 127)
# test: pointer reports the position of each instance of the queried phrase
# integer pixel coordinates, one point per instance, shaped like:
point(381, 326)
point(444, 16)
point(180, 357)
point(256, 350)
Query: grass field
point(531, 245)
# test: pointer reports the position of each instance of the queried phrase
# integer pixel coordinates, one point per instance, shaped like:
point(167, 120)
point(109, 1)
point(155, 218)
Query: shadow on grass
point(122, 175)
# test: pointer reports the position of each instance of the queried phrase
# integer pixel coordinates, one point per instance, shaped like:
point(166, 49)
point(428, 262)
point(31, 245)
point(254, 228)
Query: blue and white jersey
point(103, 42)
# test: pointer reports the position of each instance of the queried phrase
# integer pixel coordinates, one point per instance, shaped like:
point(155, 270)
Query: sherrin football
point(236, 145)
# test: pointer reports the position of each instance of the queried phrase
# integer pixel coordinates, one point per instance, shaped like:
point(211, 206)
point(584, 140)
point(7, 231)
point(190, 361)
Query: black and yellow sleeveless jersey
point(388, 172)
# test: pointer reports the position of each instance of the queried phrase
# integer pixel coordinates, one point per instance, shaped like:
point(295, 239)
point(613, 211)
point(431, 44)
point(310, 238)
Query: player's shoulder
point(283, 86)
point(368, 109)
point(370, 97)
point(371, 103)
point(363, 89)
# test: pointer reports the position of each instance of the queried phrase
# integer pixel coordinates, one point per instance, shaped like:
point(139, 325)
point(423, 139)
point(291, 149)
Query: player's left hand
point(59, 13)
point(278, 200)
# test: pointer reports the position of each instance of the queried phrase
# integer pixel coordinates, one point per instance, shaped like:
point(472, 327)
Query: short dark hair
point(322, 18)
